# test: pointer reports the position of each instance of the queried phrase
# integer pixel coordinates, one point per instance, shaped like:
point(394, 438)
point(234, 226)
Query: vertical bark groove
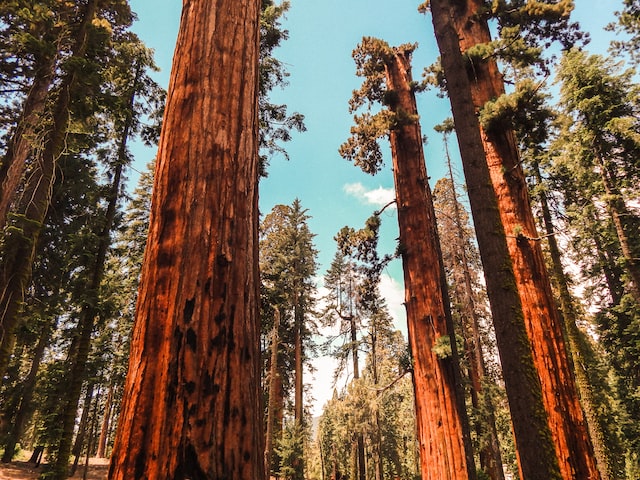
point(201, 257)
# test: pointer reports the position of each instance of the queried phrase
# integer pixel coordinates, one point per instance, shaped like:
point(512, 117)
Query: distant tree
point(628, 23)
point(192, 395)
point(382, 410)
point(288, 267)
point(342, 310)
point(461, 262)
point(439, 400)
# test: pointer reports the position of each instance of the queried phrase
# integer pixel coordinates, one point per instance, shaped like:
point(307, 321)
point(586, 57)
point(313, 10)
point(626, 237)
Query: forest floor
point(23, 470)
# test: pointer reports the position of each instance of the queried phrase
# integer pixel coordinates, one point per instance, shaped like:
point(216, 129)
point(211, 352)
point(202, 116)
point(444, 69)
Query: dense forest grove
point(169, 327)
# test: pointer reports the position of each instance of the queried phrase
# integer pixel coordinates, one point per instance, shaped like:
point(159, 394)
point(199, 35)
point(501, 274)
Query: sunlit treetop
point(372, 57)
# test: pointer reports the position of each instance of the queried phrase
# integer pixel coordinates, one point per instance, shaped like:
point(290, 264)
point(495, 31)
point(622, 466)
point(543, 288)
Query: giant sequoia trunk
point(542, 319)
point(443, 434)
point(535, 446)
point(192, 395)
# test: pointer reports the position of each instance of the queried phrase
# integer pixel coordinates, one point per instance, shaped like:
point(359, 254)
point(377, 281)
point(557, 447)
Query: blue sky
point(322, 35)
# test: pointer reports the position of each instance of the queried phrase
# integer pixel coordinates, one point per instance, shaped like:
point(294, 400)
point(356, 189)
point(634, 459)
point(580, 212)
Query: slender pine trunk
point(490, 455)
point(273, 400)
point(27, 137)
point(106, 421)
point(28, 389)
point(83, 428)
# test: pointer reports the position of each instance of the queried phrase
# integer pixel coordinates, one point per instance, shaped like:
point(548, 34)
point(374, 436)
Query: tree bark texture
point(534, 443)
point(27, 137)
point(192, 395)
point(542, 319)
point(443, 432)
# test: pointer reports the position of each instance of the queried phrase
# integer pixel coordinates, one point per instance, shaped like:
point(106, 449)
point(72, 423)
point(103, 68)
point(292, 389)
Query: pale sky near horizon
point(322, 36)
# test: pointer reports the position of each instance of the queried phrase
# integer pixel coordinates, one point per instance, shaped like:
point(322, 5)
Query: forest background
point(307, 186)
point(321, 79)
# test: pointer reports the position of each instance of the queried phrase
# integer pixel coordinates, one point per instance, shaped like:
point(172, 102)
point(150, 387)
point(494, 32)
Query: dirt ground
point(21, 470)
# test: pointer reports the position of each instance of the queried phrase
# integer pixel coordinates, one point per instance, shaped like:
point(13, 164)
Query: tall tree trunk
point(490, 456)
point(83, 427)
point(443, 431)
point(298, 406)
point(92, 434)
point(377, 436)
point(192, 396)
point(20, 241)
point(535, 446)
point(542, 319)
point(359, 440)
point(106, 421)
point(273, 400)
point(25, 140)
point(28, 388)
point(298, 464)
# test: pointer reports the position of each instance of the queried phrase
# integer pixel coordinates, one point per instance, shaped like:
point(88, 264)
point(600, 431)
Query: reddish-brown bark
point(534, 443)
point(192, 401)
point(542, 319)
point(441, 419)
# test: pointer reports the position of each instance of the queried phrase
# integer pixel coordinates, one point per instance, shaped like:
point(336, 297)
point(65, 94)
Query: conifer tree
point(598, 149)
point(459, 257)
point(91, 39)
point(288, 265)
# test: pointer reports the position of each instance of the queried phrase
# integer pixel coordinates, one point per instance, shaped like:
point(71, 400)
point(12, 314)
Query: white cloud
point(379, 197)
point(393, 292)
